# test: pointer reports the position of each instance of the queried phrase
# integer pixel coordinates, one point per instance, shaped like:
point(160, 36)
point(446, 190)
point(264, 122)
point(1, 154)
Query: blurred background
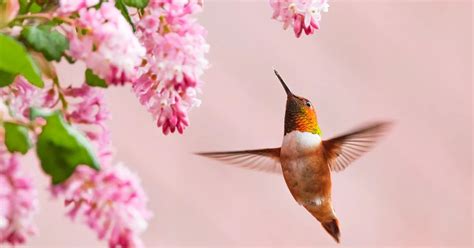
point(407, 61)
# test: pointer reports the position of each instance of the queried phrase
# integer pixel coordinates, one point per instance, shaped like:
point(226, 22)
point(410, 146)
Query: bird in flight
point(305, 159)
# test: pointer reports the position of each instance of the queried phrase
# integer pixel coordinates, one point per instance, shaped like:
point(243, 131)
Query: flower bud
point(8, 11)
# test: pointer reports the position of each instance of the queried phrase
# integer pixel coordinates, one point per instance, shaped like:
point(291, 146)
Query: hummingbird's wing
point(267, 160)
point(342, 150)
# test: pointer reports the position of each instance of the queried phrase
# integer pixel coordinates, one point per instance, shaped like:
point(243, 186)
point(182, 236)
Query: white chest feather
point(299, 162)
point(299, 143)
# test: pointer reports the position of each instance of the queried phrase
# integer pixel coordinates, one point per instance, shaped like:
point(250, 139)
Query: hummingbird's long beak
point(287, 90)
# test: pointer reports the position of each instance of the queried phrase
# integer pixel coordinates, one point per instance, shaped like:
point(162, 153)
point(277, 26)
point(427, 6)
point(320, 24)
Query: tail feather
point(332, 227)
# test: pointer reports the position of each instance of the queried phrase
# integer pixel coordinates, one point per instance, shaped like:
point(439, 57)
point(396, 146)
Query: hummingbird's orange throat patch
point(307, 122)
point(300, 116)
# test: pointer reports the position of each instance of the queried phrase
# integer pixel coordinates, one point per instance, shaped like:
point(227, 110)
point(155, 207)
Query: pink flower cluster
point(110, 201)
point(104, 41)
point(302, 15)
point(18, 201)
point(163, 60)
point(170, 73)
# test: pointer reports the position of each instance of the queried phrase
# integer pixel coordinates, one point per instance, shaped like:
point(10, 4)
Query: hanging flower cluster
point(301, 15)
point(18, 201)
point(105, 42)
point(175, 60)
point(110, 201)
point(111, 55)
point(18, 197)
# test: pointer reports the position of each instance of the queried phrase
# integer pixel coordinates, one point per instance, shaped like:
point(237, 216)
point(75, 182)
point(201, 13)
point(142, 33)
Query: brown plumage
point(305, 160)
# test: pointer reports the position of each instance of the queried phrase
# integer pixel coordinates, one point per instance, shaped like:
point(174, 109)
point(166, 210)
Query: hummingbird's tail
point(325, 215)
point(332, 227)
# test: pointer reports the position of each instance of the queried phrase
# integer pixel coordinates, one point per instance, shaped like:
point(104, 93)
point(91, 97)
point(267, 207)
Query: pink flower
point(175, 8)
point(302, 15)
point(111, 202)
point(68, 6)
point(88, 105)
point(18, 201)
point(106, 43)
point(20, 95)
point(169, 75)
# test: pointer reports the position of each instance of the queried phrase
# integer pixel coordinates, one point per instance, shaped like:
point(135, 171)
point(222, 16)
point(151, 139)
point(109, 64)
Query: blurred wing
point(343, 150)
point(267, 160)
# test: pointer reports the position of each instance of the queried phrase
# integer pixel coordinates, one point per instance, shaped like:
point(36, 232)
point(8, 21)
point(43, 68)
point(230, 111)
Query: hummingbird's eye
point(308, 103)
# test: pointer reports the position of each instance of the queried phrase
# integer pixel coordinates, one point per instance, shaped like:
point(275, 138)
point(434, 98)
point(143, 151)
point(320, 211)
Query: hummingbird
point(305, 159)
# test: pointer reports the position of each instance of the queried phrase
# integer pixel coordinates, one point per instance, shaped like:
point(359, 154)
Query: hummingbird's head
point(300, 113)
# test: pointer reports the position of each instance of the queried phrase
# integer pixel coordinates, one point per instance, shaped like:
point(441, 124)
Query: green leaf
point(139, 4)
point(50, 43)
point(35, 8)
point(29, 6)
point(6, 78)
point(94, 80)
point(23, 6)
point(16, 138)
point(119, 4)
point(61, 148)
point(15, 60)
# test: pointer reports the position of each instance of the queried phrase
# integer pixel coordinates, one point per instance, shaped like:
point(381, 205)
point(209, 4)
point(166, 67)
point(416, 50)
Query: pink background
point(408, 61)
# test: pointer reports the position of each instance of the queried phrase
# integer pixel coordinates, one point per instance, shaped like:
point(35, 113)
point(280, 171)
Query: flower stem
point(30, 125)
point(36, 15)
point(60, 95)
point(46, 16)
